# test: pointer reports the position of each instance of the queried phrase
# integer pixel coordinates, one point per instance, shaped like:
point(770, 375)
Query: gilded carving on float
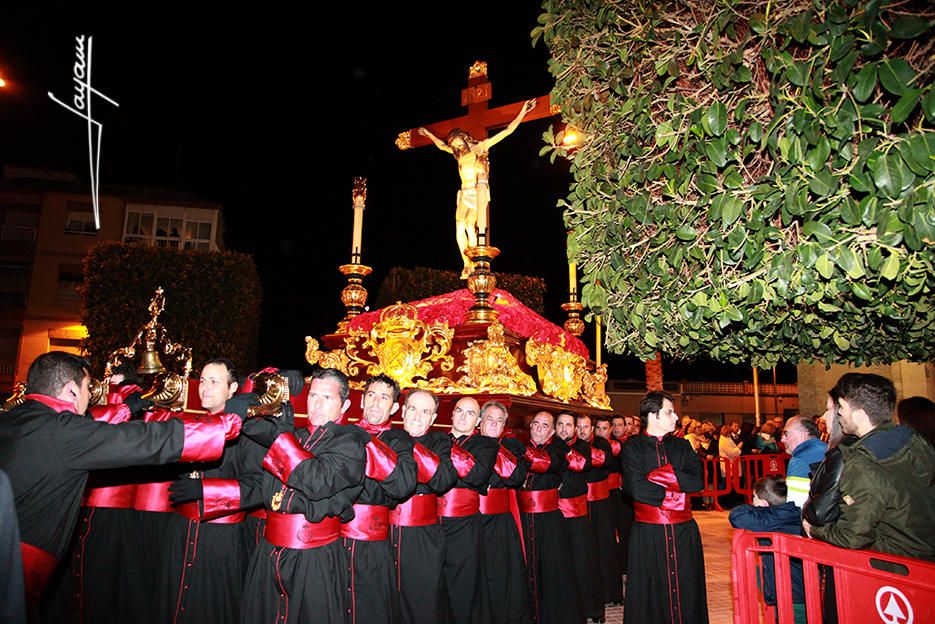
point(593, 388)
point(18, 396)
point(97, 392)
point(404, 140)
point(164, 364)
point(490, 367)
point(329, 359)
point(477, 70)
point(273, 391)
point(561, 373)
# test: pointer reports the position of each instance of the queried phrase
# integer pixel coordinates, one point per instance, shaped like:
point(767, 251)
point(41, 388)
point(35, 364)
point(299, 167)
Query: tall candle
point(359, 196)
point(572, 278)
point(597, 338)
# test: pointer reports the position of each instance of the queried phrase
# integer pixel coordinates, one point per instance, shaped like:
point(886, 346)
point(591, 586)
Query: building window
point(14, 284)
point(79, 218)
point(9, 347)
point(18, 221)
point(171, 226)
point(70, 277)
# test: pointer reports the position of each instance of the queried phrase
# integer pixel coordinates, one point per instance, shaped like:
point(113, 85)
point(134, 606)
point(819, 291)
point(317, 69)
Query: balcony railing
point(18, 233)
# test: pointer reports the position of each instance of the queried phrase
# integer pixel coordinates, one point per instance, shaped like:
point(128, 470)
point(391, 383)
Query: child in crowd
point(771, 513)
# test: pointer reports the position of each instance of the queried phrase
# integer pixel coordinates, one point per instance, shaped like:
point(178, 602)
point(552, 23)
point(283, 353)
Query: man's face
point(848, 417)
point(565, 427)
point(620, 428)
point(324, 401)
point(602, 428)
point(378, 403)
point(79, 395)
point(635, 425)
point(464, 416)
point(418, 414)
point(541, 427)
point(214, 389)
point(792, 435)
point(493, 422)
point(735, 427)
point(585, 428)
point(667, 419)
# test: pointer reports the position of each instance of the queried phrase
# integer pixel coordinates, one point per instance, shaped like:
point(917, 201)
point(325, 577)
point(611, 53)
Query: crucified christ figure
point(474, 168)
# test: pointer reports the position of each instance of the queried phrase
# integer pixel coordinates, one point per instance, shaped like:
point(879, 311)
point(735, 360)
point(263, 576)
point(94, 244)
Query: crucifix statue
point(461, 140)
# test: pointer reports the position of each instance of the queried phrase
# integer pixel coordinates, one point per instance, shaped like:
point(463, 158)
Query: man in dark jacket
point(888, 481)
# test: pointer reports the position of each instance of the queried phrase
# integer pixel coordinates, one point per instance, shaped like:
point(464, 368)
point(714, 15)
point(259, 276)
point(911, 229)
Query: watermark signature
point(81, 99)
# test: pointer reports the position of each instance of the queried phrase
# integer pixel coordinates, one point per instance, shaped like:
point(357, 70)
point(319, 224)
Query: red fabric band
point(112, 413)
point(497, 501)
point(505, 464)
point(258, 513)
point(654, 515)
point(537, 501)
point(371, 523)
point(38, 566)
point(284, 455)
point(597, 457)
point(427, 463)
point(295, 531)
point(615, 447)
point(420, 510)
point(598, 490)
point(458, 503)
point(539, 460)
point(664, 476)
point(221, 497)
point(576, 461)
point(614, 480)
point(381, 460)
point(574, 507)
point(153, 497)
point(192, 512)
point(204, 438)
point(462, 460)
point(111, 496)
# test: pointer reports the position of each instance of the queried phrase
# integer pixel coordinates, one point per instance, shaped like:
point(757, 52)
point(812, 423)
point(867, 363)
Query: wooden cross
point(479, 120)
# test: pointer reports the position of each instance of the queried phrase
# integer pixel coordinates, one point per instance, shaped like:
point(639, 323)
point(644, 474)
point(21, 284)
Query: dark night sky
point(273, 113)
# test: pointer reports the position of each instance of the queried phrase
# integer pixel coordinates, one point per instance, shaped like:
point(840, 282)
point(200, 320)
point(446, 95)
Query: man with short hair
point(619, 428)
point(665, 577)
point(47, 447)
point(802, 440)
point(887, 482)
point(312, 476)
point(374, 585)
point(473, 457)
point(503, 549)
point(417, 536)
point(622, 510)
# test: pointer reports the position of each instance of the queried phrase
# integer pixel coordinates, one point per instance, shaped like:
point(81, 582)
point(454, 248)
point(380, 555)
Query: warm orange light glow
point(570, 138)
point(2, 83)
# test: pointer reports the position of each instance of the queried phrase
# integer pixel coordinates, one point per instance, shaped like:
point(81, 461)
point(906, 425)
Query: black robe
point(420, 551)
point(581, 542)
point(308, 585)
point(374, 582)
point(623, 511)
point(548, 556)
point(601, 514)
point(665, 579)
point(503, 550)
point(465, 577)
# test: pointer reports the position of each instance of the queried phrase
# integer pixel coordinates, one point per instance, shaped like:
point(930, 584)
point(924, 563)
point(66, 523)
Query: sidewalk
point(716, 538)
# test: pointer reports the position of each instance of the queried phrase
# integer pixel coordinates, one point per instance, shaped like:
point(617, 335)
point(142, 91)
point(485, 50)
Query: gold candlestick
point(354, 295)
point(481, 283)
point(574, 325)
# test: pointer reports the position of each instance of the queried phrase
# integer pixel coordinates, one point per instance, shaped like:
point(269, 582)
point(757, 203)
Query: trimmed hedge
point(212, 301)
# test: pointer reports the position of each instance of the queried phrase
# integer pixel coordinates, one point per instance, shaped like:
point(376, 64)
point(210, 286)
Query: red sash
point(614, 480)
point(192, 512)
point(113, 497)
point(575, 507)
point(537, 501)
point(295, 531)
point(38, 566)
point(458, 503)
point(598, 491)
point(420, 510)
point(497, 501)
point(371, 523)
point(656, 515)
point(153, 497)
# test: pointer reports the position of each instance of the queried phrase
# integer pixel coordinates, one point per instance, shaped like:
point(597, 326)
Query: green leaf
point(686, 233)
point(843, 68)
point(908, 27)
point(841, 342)
point(849, 211)
point(706, 183)
point(861, 291)
point(755, 132)
point(716, 150)
point(797, 73)
point(928, 104)
point(896, 75)
point(890, 268)
point(906, 104)
point(866, 82)
point(818, 230)
point(731, 209)
point(742, 74)
point(733, 180)
point(891, 175)
point(922, 148)
point(824, 266)
point(717, 118)
point(818, 155)
point(823, 184)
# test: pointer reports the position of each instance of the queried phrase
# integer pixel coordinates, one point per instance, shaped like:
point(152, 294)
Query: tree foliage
point(756, 179)
point(212, 301)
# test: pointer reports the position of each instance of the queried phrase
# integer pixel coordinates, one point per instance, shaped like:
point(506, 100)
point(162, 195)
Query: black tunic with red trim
point(286, 585)
point(623, 508)
point(605, 530)
point(548, 555)
point(374, 583)
point(503, 550)
point(581, 542)
point(665, 581)
point(419, 551)
point(465, 577)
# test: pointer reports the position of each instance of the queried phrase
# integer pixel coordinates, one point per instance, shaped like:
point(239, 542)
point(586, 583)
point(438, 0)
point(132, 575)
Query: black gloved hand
point(239, 403)
point(138, 405)
point(186, 491)
point(266, 429)
point(295, 380)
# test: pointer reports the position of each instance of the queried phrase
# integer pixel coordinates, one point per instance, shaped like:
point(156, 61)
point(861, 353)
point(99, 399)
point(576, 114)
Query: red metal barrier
point(711, 479)
point(747, 469)
point(869, 586)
